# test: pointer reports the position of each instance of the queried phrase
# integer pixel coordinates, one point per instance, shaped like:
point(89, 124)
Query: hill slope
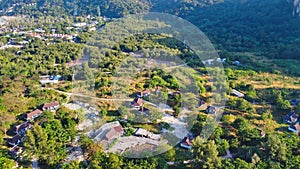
point(261, 26)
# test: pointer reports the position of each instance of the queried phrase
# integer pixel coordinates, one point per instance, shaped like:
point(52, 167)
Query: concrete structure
point(237, 93)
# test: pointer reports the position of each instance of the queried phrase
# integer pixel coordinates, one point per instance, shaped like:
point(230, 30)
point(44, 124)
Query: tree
point(246, 134)
point(1, 138)
point(170, 155)
point(223, 146)
point(6, 163)
point(206, 154)
point(101, 160)
point(241, 164)
point(297, 109)
point(155, 115)
point(103, 112)
point(275, 148)
point(227, 164)
point(255, 159)
point(46, 144)
point(6, 119)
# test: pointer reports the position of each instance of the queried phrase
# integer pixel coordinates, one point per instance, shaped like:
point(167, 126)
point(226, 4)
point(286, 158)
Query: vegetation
point(261, 35)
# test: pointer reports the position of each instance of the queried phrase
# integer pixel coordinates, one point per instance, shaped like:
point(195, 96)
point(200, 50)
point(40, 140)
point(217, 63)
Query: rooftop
point(33, 113)
point(49, 105)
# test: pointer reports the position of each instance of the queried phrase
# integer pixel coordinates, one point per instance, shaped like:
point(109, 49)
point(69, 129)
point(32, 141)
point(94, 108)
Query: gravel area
point(132, 142)
point(91, 114)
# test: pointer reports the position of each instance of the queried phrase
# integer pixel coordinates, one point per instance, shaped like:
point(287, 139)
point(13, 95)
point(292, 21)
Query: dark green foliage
point(257, 24)
point(5, 162)
point(241, 104)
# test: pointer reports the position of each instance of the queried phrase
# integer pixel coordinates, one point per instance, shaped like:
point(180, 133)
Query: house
point(144, 93)
point(295, 128)
point(237, 93)
point(211, 110)
point(223, 60)
point(22, 128)
point(291, 118)
point(144, 110)
point(137, 103)
point(51, 106)
point(208, 62)
point(50, 79)
point(56, 78)
point(186, 143)
point(211, 61)
point(114, 132)
point(15, 140)
point(107, 132)
point(32, 115)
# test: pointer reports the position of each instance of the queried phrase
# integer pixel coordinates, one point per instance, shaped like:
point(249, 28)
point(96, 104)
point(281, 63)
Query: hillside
point(71, 97)
point(265, 27)
point(261, 26)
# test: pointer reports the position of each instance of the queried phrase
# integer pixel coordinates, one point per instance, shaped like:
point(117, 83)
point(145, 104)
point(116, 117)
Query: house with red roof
point(186, 143)
point(144, 93)
point(137, 103)
point(32, 115)
point(114, 132)
point(295, 128)
point(51, 106)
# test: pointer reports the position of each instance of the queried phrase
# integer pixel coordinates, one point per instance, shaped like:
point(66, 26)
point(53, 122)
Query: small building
point(144, 93)
point(32, 115)
point(50, 79)
point(237, 93)
point(295, 128)
point(22, 128)
point(291, 118)
point(137, 103)
point(15, 140)
point(107, 132)
point(223, 60)
point(208, 62)
point(186, 143)
point(56, 77)
point(211, 110)
point(51, 106)
point(114, 132)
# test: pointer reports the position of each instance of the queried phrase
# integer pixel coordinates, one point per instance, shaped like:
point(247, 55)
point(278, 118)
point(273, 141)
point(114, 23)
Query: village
point(160, 119)
point(18, 37)
point(114, 137)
